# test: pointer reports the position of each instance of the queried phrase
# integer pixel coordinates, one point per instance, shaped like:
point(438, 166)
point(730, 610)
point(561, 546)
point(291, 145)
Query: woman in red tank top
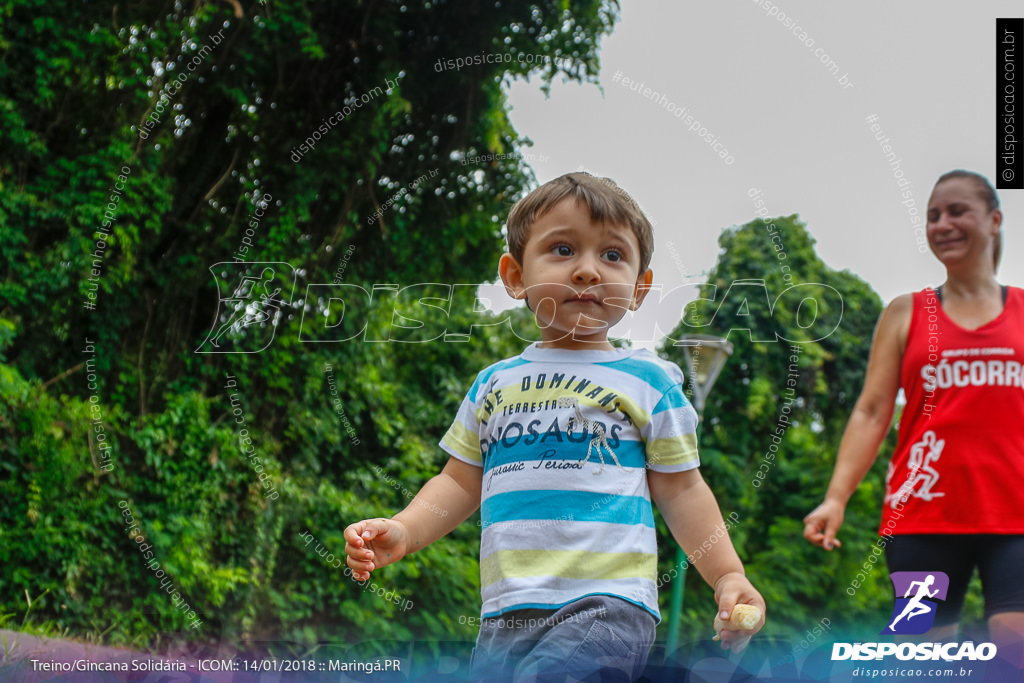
point(955, 486)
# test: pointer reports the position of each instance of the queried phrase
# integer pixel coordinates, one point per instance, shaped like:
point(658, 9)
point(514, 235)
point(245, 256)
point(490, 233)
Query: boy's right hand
point(374, 543)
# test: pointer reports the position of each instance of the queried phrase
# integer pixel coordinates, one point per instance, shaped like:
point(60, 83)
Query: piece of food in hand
point(743, 618)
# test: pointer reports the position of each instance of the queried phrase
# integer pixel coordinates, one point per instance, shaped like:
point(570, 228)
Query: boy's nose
point(585, 271)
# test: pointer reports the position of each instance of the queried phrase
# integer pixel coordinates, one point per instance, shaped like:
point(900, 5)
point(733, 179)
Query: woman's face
point(960, 227)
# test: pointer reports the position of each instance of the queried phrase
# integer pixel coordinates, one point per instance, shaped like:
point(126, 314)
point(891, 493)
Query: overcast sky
point(925, 69)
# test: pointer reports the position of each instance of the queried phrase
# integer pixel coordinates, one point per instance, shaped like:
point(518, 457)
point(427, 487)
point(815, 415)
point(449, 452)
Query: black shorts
point(999, 558)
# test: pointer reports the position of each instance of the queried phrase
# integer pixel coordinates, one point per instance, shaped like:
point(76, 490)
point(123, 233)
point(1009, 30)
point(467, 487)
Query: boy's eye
point(613, 255)
point(562, 249)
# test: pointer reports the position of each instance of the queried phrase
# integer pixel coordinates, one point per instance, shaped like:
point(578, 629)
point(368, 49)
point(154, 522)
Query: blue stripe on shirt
point(646, 370)
point(629, 453)
point(485, 375)
point(672, 400)
point(584, 506)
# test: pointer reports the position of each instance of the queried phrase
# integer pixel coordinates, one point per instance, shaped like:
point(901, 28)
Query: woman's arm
point(868, 424)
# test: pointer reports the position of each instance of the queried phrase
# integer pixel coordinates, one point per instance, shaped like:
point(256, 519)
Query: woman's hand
point(868, 425)
point(821, 525)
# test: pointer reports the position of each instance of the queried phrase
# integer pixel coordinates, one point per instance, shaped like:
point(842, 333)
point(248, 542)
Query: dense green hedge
point(75, 90)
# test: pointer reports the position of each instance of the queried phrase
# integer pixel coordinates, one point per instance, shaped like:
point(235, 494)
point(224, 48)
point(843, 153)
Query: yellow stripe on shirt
point(567, 564)
point(619, 405)
point(465, 442)
point(675, 450)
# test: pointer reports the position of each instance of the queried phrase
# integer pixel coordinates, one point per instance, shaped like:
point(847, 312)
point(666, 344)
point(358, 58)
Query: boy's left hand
point(731, 589)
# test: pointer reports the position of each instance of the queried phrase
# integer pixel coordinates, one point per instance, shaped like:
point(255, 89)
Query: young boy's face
point(580, 276)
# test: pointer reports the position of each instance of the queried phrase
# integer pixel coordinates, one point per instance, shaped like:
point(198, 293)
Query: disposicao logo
point(251, 296)
point(916, 603)
point(915, 614)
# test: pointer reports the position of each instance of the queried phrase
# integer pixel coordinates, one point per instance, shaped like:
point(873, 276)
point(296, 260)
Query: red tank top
point(958, 467)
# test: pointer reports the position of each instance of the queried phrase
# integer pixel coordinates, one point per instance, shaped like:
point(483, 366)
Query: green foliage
point(76, 91)
point(813, 385)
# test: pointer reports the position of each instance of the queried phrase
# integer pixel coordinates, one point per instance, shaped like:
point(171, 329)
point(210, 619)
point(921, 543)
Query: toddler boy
point(564, 448)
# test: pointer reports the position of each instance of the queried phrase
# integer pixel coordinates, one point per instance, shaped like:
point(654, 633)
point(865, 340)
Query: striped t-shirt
point(564, 438)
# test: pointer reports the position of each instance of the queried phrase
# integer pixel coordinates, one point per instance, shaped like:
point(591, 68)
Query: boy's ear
point(643, 285)
point(512, 275)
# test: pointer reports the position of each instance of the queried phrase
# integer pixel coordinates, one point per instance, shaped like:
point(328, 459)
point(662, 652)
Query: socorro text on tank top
point(958, 467)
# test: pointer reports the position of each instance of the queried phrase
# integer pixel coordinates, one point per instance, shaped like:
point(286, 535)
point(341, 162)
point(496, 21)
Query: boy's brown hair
point(605, 200)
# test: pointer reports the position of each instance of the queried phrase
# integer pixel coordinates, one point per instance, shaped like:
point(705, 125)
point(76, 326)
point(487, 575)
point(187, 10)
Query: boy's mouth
point(583, 298)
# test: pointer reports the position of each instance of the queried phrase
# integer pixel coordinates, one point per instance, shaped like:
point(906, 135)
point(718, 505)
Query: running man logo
point(914, 613)
point(922, 475)
point(249, 306)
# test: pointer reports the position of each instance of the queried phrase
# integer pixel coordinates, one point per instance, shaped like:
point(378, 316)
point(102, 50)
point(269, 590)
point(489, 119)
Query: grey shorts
point(595, 638)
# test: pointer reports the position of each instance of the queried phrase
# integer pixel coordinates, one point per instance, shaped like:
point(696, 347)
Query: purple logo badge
point(914, 612)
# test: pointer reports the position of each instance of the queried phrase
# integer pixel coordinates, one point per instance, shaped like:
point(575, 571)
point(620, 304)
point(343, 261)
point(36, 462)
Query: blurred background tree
point(75, 89)
point(755, 296)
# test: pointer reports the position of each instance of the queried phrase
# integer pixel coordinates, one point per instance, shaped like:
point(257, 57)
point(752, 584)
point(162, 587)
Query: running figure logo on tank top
point(922, 476)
